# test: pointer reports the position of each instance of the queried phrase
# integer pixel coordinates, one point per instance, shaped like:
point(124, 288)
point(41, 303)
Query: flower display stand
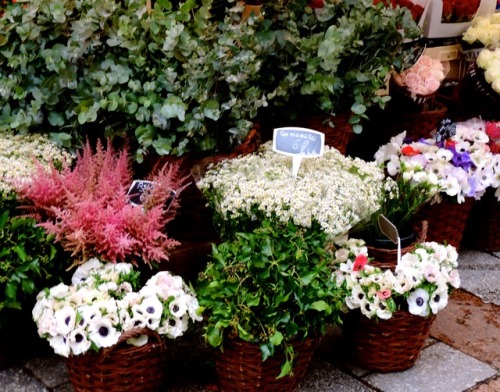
point(121, 367)
point(447, 221)
point(385, 345)
point(240, 368)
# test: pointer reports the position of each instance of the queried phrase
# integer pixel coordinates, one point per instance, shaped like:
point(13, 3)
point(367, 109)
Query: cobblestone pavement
point(462, 354)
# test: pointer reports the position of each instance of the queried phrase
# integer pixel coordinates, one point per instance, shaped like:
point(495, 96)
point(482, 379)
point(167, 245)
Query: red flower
point(409, 151)
point(360, 262)
point(493, 129)
point(316, 4)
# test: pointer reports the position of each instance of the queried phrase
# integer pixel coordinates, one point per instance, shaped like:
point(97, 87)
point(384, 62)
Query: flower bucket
point(385, 345)
point(239, 367)
point(387, 258)
point(447, 221)
point(122, 367)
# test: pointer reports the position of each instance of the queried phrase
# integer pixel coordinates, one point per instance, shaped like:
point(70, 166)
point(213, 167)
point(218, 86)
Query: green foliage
point(340, 60)
point(27, 256)
point(173, 80)
point(270, 286)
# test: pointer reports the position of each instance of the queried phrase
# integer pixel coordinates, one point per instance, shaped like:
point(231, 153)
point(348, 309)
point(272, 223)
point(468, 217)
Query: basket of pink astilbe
point(87, 207)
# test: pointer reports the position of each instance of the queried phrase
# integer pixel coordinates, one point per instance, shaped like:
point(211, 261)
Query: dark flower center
point(361, 295)
point(78, 338)
point(420, 301)
point(171, 322)
point(381, 306)
point(150, 309)
point(67, 320)
point(103, 331)
point(175, 308)
point(437, 298)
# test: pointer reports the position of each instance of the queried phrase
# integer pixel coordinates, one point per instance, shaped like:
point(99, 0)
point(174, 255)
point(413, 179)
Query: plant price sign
point(298, 143)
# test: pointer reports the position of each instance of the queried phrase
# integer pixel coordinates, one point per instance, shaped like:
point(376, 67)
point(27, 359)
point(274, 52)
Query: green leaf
point(286, 369)
point(277, 338)
point(358, 108)
point(28, 286)
point(21, 252)
point(11, 290)
point(320, 306)
point(214, 336)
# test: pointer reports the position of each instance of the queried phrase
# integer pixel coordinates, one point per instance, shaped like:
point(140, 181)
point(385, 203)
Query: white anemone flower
point(60, 291)
point(383, 312)
point(60, 345)
point(175, 327)
point(418, 303)
point(84, 270)
point(368, 308)
point(102, 332)
point(454, 279)
point(439, 299)
point(431, 273)
point(78, 342)
point(152, 307)
point(65, 320)
point(178, 307)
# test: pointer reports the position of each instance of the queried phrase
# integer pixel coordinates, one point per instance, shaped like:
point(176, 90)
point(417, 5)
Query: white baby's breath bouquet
point(332, 192)
point(102, 303)
point(19, 155)
point(421, 282)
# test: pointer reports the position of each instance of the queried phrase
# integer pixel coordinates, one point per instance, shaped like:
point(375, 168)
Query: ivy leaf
point(286, 368)
point(320, 306)
point(277, 338)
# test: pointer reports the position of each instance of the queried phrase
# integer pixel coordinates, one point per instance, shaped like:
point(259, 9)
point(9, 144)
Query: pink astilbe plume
point(88, 210)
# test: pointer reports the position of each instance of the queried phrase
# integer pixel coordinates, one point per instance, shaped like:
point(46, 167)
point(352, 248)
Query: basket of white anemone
point(332, 192)
point(112, 333)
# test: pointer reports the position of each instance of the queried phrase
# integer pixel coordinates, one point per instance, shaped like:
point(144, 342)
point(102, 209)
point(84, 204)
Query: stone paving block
point(490, 386)
point(50, 370)
point(324, 377)
point(471, 326)
point(439, 368)
point(16, 379)
point(484, 284)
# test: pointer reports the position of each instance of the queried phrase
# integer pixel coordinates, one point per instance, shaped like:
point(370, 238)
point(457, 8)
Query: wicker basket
point(483, 227)
point(387, 258)
point(447, 221)
point(240, 367)
point(121, 367)
point(385, 345)
point(336, 136)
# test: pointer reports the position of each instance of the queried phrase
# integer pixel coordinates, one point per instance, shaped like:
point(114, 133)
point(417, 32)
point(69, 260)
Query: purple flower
point(461, 159)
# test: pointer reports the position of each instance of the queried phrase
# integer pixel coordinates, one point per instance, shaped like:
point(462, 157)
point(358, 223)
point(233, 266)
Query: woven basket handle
point(423, 231)
point(133, 333)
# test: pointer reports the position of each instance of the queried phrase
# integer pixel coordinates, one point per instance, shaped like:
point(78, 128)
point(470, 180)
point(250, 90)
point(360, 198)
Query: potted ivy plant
point(267, 293)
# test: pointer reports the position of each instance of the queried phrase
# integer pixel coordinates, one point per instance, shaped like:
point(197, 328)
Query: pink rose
point(413, 80)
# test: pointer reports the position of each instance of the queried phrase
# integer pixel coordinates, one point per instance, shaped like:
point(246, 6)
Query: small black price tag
point(447, 128)
point(140, 187)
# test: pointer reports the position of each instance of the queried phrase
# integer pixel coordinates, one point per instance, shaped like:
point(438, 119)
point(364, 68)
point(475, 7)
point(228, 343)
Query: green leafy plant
point(27, 256)
point(269, 286)
point(339, 59)
point(173, 80)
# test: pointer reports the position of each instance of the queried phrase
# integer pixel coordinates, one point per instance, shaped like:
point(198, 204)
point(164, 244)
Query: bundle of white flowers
point(333, 191)
point(484, 30)
point(421, 282)
point(489, 62)
point(101, 304)
point(457, 167)
point(18, 154)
